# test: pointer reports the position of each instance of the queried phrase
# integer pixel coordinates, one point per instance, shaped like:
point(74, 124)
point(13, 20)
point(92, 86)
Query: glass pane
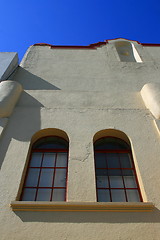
point(113, 160)
point(61, 160)
point(118, 195)
point(116, 182)
point(43, 195)
point(130, 182)
point(49, 160)
point(32, 178)
point(46, 178)
point(101, 172)
point(60, 178)
point(128, 172)
point(111, 143)
point(100, 159)
point(29, 194)
point(114, 172)
point(51, 143)
point(58, 195)
point(125, 160)
point(133, 195)
point(36, 160)
point(102, 182)
point(103, 195)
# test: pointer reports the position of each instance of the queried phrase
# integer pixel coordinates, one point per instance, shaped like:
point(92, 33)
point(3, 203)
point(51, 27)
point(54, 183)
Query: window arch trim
point(121, 170)
point(41, 167)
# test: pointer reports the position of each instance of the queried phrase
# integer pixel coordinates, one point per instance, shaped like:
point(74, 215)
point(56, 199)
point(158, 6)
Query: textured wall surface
point(82, 91)
point(8, 63)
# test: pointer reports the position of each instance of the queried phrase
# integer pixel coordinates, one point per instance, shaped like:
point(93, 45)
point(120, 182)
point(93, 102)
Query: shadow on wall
point(30, 81)
point(91, 217)
point(22, 123)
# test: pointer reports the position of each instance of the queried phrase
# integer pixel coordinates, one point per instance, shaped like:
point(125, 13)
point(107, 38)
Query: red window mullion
point(119, 188)
point(112, 151)
point(122, 177)
point(66, 183)
point(39, 177)
point(45, 187)
point(117, 168)
point(54, 173)
point(108, 179)
point(50, 167)
point(49, 150)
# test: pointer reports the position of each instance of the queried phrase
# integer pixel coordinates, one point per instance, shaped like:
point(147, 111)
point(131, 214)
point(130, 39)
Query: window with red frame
point(116, 179)
point(46, 176)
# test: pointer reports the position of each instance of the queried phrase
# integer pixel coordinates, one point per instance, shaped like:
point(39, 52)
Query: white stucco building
point(79, 142)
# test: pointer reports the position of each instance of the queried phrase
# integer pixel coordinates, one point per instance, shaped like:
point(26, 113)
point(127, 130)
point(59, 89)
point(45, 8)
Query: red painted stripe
point(94, 45)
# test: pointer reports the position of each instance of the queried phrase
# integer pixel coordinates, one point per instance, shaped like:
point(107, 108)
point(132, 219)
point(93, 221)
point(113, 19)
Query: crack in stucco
point(88, 152)
point(84, 157)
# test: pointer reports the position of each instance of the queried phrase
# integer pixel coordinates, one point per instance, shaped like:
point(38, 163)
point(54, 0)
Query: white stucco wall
point(8, 63)
point(81, 92)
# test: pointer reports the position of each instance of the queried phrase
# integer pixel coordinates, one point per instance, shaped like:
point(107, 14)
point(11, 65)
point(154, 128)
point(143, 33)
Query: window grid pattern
point(46, 177)
point(116, 179)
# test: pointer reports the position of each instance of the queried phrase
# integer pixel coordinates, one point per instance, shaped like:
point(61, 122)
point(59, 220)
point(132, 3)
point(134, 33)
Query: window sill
point(83, 206)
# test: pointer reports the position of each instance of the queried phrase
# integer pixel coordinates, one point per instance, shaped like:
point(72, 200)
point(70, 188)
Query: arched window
point(47, 171)
point(116, 179)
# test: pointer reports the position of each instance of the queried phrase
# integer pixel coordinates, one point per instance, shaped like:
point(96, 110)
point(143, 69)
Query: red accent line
point(93, 45)
point(151, 44)
point(90, 46)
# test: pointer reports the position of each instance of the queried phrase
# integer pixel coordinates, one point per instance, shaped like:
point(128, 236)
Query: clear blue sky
point(71, 22)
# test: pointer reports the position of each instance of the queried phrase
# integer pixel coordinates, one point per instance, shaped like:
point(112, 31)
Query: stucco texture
point(81, 92)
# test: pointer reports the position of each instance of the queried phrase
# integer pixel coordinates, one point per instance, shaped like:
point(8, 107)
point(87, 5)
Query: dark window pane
point(133, 195)
point(46, 178)
point(49, 160)
point(43, 195)
point(60, 178)
point(128, 172)
point(51, 143)
point(110, 143)
point(29, 194)
point(118, 195)
point(113, 160)
point(130, 182)
point(101, 172)
point(125, 160)
point(36, 160)
point(61, 160)
point(100, 160)
point(32, 178)
point(116, 182)
point(103, 195)
point(58, 195)
point(102, 182)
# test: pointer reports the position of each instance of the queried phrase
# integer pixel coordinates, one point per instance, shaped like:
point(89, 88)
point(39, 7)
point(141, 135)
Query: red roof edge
point(93, 45)
point(151, 44)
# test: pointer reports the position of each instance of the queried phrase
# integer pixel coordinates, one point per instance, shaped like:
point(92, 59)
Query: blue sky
point(71, 22)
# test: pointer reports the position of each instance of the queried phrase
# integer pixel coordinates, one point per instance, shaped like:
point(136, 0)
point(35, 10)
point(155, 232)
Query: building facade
point(79, 142)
